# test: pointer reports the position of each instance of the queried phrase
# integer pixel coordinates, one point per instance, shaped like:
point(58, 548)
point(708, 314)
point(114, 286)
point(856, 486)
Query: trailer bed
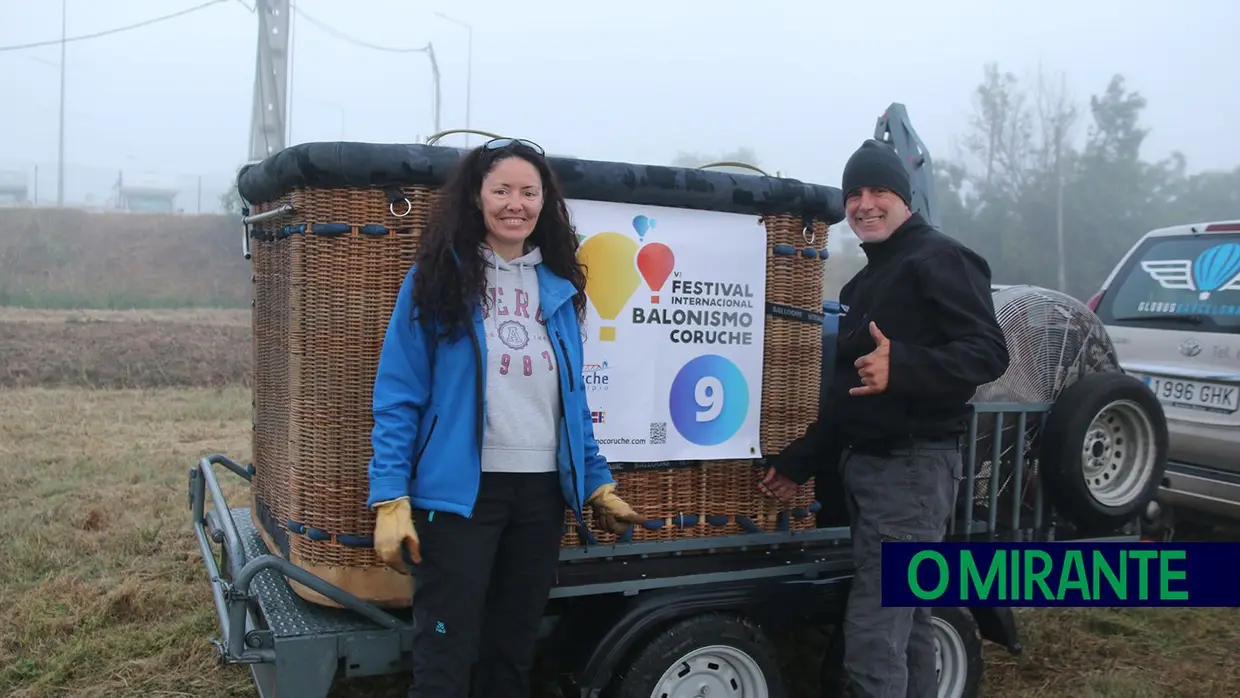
point(605, 570)
point(285, 613)
point(294, 645)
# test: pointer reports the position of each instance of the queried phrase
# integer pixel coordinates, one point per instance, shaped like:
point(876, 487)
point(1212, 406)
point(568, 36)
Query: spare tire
point(1103, 450)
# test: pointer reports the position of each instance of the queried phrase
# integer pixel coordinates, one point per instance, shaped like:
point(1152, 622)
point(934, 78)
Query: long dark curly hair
point(451, 276)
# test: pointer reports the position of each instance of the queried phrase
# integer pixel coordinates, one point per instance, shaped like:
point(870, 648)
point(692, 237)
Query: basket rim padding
point(334, 165)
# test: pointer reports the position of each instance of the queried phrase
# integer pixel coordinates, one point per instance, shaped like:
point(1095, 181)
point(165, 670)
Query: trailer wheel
point(714, 655)
point(1103, 450)
point(958, 658)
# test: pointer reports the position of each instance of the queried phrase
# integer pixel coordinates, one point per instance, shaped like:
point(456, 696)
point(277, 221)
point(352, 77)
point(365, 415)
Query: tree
point(1001, 133)
point(1208, 196)
point(1116, 196)
point(230, 199)
point(1018, 146)
point(1057, 115)
point(1047, 210)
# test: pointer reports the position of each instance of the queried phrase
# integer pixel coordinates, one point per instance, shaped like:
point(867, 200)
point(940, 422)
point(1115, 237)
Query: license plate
point(1198, 395)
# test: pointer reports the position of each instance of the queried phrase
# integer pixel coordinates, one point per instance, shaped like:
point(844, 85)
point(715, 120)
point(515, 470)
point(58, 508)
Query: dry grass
point(102, 592)
point(1121, 653)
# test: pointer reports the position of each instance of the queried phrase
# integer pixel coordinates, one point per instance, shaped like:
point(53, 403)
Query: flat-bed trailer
point(621, 615)
point(669, 618)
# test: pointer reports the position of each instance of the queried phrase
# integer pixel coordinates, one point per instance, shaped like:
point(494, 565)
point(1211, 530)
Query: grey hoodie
point(523, 386)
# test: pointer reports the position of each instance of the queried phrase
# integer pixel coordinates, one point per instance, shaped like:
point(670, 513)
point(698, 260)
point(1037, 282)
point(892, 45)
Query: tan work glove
point(613, 513)
point(393, 529)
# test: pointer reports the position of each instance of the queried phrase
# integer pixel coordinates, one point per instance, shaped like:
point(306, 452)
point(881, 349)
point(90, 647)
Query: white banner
point(674, 330)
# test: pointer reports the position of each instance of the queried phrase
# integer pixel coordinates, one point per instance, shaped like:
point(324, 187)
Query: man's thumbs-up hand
point(875, 367)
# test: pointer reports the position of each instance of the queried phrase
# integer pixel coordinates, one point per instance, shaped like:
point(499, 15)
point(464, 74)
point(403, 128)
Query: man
point(918, 335)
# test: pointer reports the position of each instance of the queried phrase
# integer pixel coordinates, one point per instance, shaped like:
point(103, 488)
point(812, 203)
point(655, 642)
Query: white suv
point(1172, 307)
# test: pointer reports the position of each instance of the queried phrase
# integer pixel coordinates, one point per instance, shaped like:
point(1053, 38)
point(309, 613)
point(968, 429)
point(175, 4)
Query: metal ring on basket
point(408, 209)
point(809, 240)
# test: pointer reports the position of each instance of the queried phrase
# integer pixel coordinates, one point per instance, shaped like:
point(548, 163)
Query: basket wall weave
point(325, 278)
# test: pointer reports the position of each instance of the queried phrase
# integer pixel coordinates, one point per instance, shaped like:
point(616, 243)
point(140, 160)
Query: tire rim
point(951, 659)
point(1118, 454)
point(717, 671)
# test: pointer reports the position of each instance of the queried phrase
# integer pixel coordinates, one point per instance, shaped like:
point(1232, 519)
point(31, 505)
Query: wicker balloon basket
point(344, 226)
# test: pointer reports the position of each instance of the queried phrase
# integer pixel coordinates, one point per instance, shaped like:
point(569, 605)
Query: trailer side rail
point(1000, 498)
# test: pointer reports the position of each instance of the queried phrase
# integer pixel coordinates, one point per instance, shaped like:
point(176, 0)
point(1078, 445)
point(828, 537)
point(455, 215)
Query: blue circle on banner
point(709, 400)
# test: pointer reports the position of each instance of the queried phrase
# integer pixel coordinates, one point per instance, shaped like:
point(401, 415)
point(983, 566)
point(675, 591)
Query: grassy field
point(102, 592)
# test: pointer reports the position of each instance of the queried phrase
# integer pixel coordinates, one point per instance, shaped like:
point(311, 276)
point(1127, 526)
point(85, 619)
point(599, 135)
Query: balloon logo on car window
point(1214, 270)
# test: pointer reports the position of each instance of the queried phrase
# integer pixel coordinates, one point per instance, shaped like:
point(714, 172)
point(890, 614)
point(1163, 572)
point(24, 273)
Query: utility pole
point(1059, 242)
point(469, 68)
point(270, 111)
point(430, 54)
point(1063, 118)
point(60, 165)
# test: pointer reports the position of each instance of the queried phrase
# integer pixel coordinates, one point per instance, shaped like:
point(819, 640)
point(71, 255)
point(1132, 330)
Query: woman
point(482, 431)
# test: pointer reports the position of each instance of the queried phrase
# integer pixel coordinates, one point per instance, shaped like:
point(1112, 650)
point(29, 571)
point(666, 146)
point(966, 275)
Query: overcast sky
point(800, 82)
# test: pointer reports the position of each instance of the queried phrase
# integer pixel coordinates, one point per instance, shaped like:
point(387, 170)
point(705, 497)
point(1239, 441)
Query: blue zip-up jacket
point(430, 402)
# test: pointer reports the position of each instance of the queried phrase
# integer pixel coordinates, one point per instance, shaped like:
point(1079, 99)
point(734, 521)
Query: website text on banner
point(1085, 573)
point(674, 330)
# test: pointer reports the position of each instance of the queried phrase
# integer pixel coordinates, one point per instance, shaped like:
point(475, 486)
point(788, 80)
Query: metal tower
point(895, 127)
point(270, 111)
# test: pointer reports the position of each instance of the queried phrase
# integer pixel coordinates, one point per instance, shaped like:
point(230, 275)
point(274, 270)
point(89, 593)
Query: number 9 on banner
point(708, 392)
point(709, 400)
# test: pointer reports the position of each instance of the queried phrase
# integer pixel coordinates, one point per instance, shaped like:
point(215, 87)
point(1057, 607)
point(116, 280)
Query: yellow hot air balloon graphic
point(611, 275)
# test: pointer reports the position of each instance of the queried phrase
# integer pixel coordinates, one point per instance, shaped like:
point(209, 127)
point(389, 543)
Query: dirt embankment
point(124, 349)
point(70, 258)
point(122, 300)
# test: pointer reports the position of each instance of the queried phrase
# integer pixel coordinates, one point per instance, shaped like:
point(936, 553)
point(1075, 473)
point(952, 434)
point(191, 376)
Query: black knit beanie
point(876, 164)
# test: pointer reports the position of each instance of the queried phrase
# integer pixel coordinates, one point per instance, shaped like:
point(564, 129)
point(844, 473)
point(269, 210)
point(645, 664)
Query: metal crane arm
point(895, 128)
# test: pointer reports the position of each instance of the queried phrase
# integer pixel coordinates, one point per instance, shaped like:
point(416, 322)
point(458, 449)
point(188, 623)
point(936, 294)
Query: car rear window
point(1178, 283)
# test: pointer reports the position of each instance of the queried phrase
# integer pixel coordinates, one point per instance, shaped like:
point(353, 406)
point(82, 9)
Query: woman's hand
point(612, 512)
point(393, 529)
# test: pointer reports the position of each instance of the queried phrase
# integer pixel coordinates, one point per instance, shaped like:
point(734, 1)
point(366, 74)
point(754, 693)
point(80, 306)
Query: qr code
point(658, 433)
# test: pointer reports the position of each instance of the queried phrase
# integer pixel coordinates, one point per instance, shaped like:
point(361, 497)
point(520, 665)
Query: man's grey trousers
point(904, 496)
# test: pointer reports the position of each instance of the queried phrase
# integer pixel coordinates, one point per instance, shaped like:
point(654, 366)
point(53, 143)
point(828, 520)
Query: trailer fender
point(617, 633)
point(998, 624)
point(601, 638)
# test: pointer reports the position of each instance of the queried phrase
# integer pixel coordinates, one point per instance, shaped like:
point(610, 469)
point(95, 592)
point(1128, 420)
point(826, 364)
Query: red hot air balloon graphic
point(655, 261)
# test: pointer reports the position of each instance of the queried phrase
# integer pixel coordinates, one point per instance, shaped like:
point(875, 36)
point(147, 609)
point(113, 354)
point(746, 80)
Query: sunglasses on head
point(501, 143)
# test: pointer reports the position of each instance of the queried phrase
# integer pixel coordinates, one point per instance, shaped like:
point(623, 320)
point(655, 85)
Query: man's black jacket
point(929, 295)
